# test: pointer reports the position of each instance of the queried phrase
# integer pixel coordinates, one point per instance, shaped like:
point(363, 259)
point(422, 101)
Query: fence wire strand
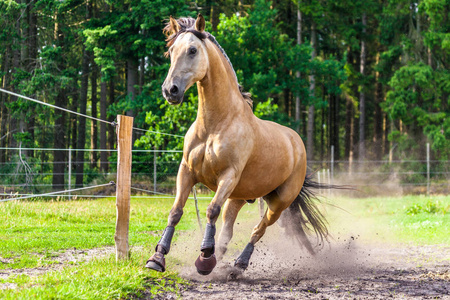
point(55, 107)
point(113, 123)
point(111, 183)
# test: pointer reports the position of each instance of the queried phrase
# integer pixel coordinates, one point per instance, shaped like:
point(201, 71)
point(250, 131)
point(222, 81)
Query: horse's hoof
point(203, 272)
point(241, 264)
point(205, 265)
point(157, 262)
point(235, 273)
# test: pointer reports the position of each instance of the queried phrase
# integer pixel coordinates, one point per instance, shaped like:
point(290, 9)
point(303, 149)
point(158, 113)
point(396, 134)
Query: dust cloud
point(275, 256)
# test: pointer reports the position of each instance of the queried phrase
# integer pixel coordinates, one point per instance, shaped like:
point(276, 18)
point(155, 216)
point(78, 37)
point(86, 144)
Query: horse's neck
point(219, 96)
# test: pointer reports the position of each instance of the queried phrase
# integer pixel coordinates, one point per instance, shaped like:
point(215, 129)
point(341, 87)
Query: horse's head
point(188, 56)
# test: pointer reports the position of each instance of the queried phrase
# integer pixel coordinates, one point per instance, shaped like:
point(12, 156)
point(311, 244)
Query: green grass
point(32, 233)
point(98, 279)
point(408, 219)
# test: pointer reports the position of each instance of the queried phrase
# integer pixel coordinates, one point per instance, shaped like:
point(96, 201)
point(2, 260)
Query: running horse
point(235, 154)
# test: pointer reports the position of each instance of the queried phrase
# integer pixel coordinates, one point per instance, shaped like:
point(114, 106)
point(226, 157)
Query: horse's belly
point(246, 189)
point(251, 188)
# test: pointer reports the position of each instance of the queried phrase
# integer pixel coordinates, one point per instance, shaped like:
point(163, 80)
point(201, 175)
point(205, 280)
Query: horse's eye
point(192, 51)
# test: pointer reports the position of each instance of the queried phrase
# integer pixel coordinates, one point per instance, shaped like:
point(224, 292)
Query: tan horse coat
point(227, 148)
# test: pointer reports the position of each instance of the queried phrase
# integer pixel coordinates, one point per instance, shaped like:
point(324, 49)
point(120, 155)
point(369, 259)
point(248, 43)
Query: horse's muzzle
point(174, 95)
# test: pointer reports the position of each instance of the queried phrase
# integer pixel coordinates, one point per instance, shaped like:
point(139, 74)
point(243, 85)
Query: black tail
point(303, 215)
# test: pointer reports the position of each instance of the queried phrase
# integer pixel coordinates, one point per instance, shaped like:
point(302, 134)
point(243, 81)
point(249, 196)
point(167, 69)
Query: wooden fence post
point(124, 132)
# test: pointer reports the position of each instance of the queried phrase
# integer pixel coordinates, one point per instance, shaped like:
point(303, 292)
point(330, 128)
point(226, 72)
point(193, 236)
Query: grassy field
point(35, 234)
point(417, 220)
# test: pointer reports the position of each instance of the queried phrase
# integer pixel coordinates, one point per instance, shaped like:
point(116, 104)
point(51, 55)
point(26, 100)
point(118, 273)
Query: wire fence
point(154, 172)
point(20, 176)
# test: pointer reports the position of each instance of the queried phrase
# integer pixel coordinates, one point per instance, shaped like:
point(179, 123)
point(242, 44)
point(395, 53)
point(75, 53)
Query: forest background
point(370, 78)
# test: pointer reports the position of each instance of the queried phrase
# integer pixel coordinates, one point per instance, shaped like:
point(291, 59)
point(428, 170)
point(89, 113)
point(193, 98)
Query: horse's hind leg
point(230, 212)
point(272, 214)
point(277, 202)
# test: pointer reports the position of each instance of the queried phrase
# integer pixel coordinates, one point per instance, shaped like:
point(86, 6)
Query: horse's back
point(278, 153)
point(269, 154)
point(284, 138)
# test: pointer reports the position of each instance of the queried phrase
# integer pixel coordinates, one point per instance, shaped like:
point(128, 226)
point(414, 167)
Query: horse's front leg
point(206, 261)
point(185, 182)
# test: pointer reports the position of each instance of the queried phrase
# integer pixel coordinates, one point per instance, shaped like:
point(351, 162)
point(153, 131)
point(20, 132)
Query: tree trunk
point(348, 128)
point(94, 124)
point(73, 130)
point(132, 81)
point(213, 15)
point(32, 39)
point(4, 129)
point(297, 74)
point(312, 87)
point(59, 142)
point(81, 139)
point(378, 115)
point(4, 110)
point(103, 154)
point(111, 129)
point(362, 96)
point(336, 125)
point(15, 67)
point(83, 104)
point(31, 63)
point(287, 101)
point(141, 74)
point(322, 131)
point(386, 134)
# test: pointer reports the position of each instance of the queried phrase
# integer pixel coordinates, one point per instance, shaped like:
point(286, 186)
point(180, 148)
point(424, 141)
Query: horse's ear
point(200, 23)
point(174, 27)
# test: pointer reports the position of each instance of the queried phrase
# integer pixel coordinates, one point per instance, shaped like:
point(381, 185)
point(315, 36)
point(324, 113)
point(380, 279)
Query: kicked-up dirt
point(346, 270)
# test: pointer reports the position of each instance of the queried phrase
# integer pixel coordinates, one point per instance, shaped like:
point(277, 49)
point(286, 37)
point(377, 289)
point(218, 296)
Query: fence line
point(88, 150)
point(158, 132)
point(167, 196)
point(55, 107)
point(80, 114)
point(111, 183)
point(159, 175)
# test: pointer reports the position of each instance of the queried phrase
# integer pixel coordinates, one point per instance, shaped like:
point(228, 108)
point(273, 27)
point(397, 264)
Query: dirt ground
point(346, 270)
point(282, 270)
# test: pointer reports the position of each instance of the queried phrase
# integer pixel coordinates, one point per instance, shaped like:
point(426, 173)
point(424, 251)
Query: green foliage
point(266, 110)
point(418, 98)
point(430, 207)
point(407, 43)
point(175, 120)
point(264, 58)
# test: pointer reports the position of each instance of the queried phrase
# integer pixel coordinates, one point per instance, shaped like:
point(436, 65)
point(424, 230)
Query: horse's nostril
point(174, 90)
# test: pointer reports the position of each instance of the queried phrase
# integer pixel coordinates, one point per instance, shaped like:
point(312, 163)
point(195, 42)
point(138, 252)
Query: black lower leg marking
point(157, 262)
point(208, 241)
point(243, 260)
point(165, 241)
